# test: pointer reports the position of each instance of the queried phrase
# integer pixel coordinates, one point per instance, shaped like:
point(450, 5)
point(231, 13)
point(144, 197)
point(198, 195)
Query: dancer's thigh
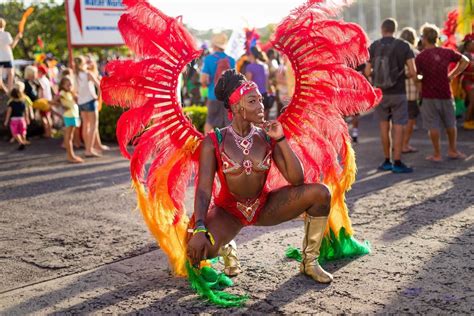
point(289, 202)
point(223, 226)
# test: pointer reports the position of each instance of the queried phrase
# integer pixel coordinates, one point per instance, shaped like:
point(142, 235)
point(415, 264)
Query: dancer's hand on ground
point(198, 248)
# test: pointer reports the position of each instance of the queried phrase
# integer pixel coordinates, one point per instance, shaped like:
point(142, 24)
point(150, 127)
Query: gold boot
point(314, 233)
point(231, 262)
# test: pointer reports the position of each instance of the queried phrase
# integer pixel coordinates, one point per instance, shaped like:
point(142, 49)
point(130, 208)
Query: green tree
point(48, 21)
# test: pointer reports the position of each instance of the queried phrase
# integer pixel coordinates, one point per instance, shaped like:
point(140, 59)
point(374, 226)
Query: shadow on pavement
point(422, 214)
point(89, 181)
point(293, 288)
point(67, 167)
point(444, 286)
point(119, 281)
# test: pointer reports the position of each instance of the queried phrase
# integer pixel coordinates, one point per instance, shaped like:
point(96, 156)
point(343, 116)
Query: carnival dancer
point(259, 164)
point(242, 154)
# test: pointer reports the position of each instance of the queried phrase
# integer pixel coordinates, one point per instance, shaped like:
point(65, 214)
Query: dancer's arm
point(198, 245)
point(207, 170)
point(285, 159)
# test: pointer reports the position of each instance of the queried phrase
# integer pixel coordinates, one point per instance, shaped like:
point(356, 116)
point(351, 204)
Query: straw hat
point(219, 40)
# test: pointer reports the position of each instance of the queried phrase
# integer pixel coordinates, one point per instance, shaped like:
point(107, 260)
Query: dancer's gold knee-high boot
point(314, 233)
point(231, 262)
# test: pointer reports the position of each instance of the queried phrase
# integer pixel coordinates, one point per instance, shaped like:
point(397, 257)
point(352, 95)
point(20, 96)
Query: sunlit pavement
point(71, 242)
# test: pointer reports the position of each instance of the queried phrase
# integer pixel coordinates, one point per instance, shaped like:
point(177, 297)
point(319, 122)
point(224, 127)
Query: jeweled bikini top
point(229, 166)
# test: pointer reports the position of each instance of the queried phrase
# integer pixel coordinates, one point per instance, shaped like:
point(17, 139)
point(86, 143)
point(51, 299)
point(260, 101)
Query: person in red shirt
point(438, 105)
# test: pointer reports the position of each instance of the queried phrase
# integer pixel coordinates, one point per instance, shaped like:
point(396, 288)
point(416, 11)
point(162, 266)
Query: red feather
point(323, 54)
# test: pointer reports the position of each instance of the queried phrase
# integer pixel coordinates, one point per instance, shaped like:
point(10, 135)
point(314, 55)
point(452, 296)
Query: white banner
point(236, 46)
point(94, 22)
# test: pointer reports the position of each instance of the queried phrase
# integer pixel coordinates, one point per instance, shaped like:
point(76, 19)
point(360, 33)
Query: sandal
point(459, 155)
point(410, 150)
point(434, 159)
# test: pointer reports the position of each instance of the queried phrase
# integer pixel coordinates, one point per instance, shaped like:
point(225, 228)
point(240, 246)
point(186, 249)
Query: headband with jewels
point(242, 90)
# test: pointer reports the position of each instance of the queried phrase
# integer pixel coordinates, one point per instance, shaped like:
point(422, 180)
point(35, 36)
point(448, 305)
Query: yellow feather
point(158, 210)
point(338, 185)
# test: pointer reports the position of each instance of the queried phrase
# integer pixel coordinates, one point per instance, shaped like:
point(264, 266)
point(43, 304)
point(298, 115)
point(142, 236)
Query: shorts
point(6, 64)
point(217, 114)
point(90, 106)
point(18, 126)
point(72, 121)
point(435, 112)
point(393, 107)
point(413, 110)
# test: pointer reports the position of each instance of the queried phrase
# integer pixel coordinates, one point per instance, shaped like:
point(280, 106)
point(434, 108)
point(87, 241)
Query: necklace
point(244, 143)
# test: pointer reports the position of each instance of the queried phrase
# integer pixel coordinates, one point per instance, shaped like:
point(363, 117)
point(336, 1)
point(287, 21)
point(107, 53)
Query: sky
point(222, 14)
point(227, 14)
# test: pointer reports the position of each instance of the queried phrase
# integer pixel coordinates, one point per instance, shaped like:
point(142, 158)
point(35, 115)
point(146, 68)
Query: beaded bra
point(230, 166)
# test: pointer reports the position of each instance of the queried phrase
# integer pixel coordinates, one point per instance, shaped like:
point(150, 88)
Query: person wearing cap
point(216, 112)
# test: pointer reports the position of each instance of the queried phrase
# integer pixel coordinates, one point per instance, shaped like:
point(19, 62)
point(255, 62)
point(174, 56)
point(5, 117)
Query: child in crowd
point(70, 116)
point(18, 117)
point(77, 139)
point(29, 104)
point(34, 91)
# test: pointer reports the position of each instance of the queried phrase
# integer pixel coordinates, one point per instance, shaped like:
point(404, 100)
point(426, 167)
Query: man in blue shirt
point(216, 112)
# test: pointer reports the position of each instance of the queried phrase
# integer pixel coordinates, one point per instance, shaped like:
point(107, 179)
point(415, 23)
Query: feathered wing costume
point(321, 51)
point(323, 54)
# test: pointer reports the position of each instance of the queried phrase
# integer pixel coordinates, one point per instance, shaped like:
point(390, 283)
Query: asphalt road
point(71, 242)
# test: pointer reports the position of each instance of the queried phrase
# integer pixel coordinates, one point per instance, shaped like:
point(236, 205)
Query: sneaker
point(386, 166)
point(402, 168)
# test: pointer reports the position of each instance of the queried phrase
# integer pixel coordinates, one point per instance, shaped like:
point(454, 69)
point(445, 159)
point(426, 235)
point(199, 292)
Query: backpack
point(222, 65)
point(385, 74)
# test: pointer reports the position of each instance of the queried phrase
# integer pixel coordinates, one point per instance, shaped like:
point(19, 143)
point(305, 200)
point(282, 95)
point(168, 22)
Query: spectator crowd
point(417, 77)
